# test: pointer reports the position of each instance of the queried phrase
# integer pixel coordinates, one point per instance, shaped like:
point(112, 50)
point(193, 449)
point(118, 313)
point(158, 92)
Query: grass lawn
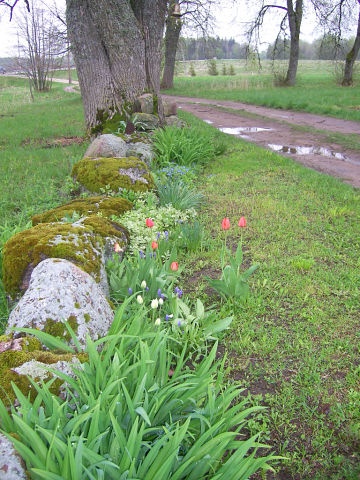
point(294, 345)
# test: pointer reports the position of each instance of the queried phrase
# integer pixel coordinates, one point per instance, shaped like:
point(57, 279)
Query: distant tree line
point(328, 47)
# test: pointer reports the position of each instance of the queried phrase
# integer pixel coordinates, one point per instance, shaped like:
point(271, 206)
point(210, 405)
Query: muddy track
point(278, 130)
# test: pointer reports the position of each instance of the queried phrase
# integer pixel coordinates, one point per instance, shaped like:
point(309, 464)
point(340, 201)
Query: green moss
point(108, 121)
point(106, 228)
point(111, 125)
point(78, 243)
point(87, 317)
point(107, 206)
point(58, 329)
point(95, 174)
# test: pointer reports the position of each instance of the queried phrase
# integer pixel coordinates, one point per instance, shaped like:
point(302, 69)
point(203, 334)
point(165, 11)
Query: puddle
point(297, 150)
point(242, 130)
point(322, 151)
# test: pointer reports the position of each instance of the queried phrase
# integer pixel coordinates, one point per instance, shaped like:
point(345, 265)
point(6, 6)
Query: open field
point(294, 345)
point(316, 91)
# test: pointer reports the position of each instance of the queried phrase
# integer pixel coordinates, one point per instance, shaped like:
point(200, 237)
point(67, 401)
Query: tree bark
point(295, 18)
point(350, 58)
point(117, 52)
point(172, 35)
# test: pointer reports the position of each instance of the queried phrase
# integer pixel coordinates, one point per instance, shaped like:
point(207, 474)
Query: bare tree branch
point(11, 6)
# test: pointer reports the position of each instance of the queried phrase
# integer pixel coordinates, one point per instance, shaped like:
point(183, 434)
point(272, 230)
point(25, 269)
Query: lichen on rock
point(60, 292)
point(12, 467)
point(95, 173)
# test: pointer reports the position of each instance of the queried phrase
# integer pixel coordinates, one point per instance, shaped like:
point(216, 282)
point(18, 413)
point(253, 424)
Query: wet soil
point(278, 130)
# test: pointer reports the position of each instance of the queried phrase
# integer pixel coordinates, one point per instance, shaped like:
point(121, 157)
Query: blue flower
point(178, 292)
point(130, 291)
point(168, 317)
point(141, 254)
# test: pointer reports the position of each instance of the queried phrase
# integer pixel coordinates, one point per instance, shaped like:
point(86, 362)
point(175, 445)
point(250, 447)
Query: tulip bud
point(154, 303)
point(117, 248)
point(225, 224)
point(174, 266)
point(154, 245)
point(149, 222)
point(242, 222)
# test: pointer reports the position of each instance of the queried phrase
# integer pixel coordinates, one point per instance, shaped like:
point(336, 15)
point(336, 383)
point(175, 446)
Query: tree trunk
point(350, 58)
point(295, 18)
point(172, 35)
point(117, 52)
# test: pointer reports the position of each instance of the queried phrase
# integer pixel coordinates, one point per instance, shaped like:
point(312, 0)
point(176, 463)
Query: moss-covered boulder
point(130, 173)
point(26, 351)
point(87, 243)
point(105, 206)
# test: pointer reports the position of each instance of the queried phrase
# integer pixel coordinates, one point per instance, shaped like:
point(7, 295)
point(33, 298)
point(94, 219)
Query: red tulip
point(242, 222)
point(174, 266)
point(149, 222)
point(154, 245)
point(225, 224)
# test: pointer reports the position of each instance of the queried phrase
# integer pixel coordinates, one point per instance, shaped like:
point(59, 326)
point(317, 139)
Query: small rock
point(145, 103)
point(141, 150)
point(107, 146)
point(170, 108)
point(175, 121)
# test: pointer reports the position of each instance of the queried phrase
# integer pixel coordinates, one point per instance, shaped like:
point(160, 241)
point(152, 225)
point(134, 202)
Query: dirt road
point(279, 130)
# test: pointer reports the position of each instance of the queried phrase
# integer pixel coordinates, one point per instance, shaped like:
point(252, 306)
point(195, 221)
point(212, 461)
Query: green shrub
point(180, 195)
point(183, 146)
point(180, 173)
point(165, 218)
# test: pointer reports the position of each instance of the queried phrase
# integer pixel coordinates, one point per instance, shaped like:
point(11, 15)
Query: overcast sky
point(230, 23)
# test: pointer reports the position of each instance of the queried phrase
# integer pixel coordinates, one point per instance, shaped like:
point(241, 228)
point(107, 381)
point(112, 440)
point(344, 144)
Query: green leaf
point(48, 340)
point(141, 411)
point(46, 475)
point(218, 326)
